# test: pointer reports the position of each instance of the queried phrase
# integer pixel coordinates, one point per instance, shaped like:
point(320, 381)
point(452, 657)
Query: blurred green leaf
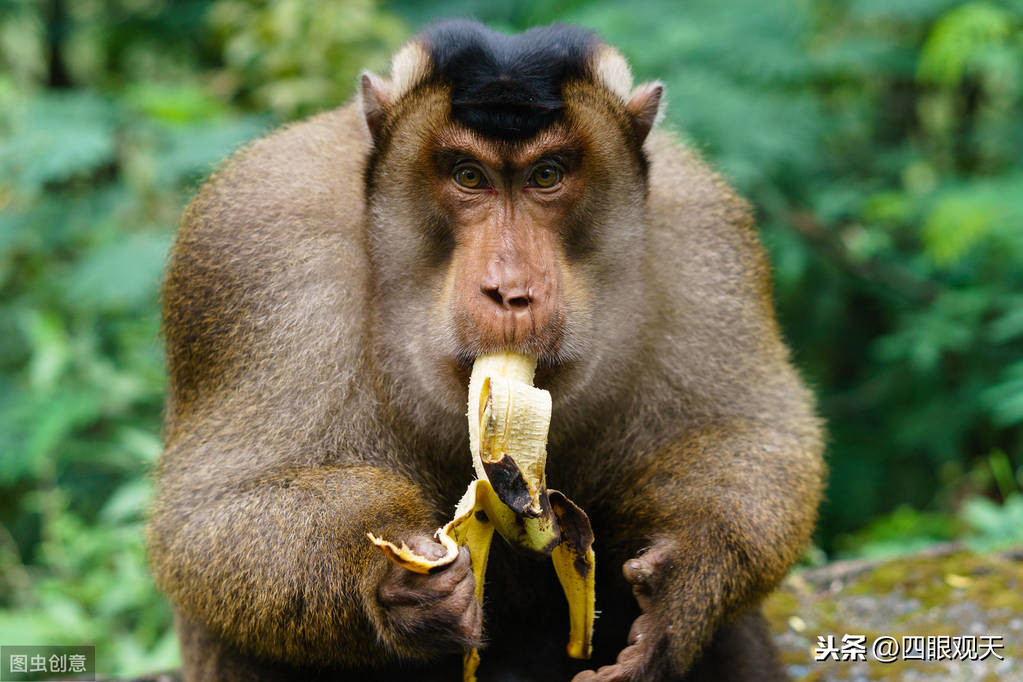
point(125, 274)
point(1005, 398)
point(192, 151)
point(994, 525)
point(128, 503)
point(1009, 325)
point(53, 138)
point(958, 37)
point(957, 222)
point(175, 103)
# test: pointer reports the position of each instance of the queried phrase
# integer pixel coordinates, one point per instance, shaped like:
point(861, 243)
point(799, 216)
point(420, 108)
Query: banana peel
point(508, 423)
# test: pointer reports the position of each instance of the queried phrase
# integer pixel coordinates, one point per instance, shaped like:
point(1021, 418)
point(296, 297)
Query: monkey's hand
point(648, 654)
point(433, 613)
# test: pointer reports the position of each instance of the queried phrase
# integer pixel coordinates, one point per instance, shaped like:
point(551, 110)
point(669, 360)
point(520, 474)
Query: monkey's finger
point(644, 572)
point(443, 580)
point(629, 665)
point(397, 594)
point(608, 673)
point(639, 572)
point(450, 598)
point(427, 547)
point(635, 634)
point(631, 656)
point(648, 631)
point(453, 622)
point(464, 591)
point(457, 621)
point(437, 629)
point(407, 588)
point(468, 628)
point(471, 623)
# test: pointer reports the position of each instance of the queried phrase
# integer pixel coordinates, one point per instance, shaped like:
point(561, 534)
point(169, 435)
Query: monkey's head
point(506, 191)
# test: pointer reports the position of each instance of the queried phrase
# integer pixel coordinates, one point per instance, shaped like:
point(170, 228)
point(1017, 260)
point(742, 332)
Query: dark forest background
point(880, 142)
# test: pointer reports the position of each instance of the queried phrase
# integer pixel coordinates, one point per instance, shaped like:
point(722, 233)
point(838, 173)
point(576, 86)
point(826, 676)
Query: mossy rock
point(947, 591)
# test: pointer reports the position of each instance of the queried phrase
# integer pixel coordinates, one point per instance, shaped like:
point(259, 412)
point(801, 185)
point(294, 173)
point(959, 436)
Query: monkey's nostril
point(514, 298)
point(493, 293)
point(518, 302)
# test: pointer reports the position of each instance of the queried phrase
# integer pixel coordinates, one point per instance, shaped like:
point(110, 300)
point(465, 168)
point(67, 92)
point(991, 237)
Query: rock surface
point(945, 592)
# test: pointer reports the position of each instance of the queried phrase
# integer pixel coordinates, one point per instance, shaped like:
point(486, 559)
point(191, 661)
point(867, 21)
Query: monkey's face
point(484, 242)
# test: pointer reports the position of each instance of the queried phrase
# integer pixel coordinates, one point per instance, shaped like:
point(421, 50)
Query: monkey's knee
point(206, 658)
point(740, 652)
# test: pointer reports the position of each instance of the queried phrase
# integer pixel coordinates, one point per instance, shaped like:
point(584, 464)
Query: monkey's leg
point(742, 651)
point(715, 521)
point(279, 568)
point(206, 658)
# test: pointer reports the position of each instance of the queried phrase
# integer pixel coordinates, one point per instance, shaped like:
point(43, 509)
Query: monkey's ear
point(644, 105)
point(376, 98)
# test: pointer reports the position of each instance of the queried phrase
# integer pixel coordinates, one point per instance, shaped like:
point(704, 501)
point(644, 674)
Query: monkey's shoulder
point(700, 229)
point(278, 224)
point(708, 278)
point(267, 269)
point(299, 182)
point(684, 186)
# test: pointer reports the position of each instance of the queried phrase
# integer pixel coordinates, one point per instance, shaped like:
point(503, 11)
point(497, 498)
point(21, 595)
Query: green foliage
point(903, 530)
point(880, 142)
point(968, 40)
point(980, 523)
point(92, 181)
point(295, 56)
point(994, 526)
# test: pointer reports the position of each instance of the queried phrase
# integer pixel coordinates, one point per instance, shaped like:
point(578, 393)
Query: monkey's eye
point(469, 176)
point(545, 176)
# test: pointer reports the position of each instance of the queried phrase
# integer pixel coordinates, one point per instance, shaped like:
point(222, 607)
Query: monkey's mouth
point(547, 367)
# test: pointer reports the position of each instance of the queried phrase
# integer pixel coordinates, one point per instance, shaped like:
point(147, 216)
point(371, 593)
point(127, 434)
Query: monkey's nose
point(515, 298)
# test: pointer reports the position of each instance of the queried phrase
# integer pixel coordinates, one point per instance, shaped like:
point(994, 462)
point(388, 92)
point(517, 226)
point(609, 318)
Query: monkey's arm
point(715, 520)
point(720, 478)
point(280, 565)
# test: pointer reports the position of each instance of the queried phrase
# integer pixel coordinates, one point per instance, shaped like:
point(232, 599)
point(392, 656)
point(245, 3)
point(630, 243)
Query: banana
point(508, 423)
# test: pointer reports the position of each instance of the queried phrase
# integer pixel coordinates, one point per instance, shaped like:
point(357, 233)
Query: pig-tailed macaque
point(328, 293)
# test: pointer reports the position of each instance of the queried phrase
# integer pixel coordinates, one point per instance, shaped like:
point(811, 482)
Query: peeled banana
point(508, 423)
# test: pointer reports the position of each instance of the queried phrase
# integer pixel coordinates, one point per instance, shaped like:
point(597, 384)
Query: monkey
point(327, 292)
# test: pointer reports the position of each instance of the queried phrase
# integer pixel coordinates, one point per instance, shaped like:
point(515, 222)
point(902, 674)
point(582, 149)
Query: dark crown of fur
point(507, 86)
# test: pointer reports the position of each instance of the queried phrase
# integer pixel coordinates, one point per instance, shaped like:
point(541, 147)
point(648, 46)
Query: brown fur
point(314, 397)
